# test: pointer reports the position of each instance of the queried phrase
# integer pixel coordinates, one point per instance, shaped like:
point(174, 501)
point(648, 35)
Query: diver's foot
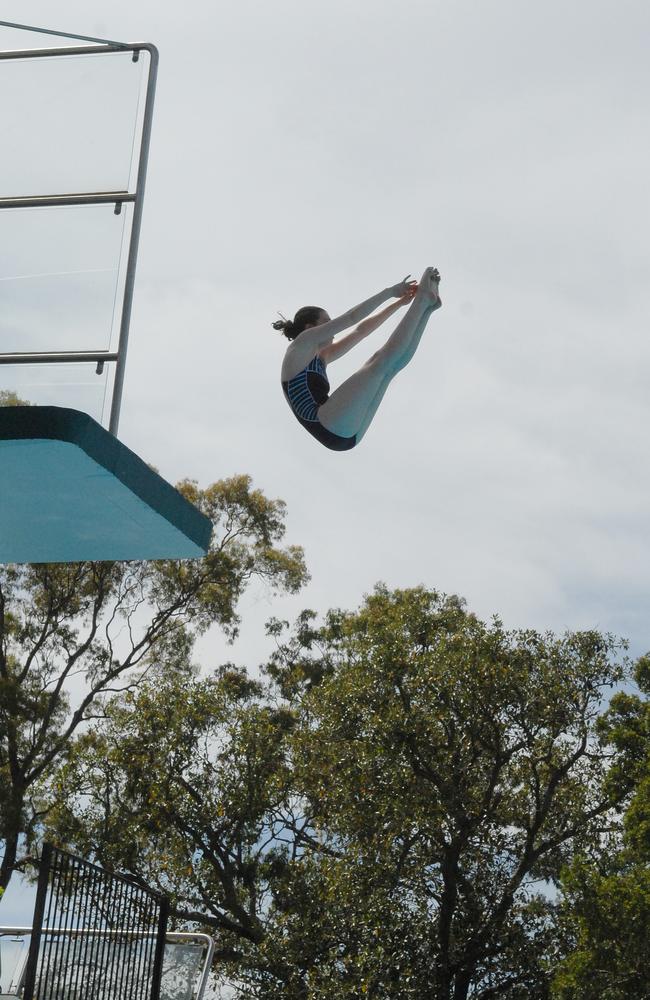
point(428, 287)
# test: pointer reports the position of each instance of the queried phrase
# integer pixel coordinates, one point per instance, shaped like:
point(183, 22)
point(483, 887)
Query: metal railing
point(195, 980)
point(118, 198)
point(73, 893)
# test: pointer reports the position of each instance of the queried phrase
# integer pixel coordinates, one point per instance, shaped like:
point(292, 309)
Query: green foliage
point(94, 628)
point(174, 787)
point(378, 822)
point(453, 758)
point(606, 911)
point(9, 398)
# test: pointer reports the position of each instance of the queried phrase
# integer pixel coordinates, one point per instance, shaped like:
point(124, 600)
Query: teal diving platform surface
point(71, 492)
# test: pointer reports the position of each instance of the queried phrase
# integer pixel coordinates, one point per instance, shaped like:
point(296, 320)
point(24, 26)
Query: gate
point(121, 959)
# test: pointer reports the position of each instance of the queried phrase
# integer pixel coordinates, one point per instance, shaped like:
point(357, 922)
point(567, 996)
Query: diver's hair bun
point(286, 327)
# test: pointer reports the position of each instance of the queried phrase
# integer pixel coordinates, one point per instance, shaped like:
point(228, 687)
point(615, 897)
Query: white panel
point(68, 123)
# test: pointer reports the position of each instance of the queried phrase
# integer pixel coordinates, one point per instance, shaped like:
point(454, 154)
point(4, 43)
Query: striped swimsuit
point(305, 392)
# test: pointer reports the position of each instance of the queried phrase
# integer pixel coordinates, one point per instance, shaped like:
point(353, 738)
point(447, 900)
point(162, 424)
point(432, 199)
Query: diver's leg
point(406, 357)
point(352, 406)
point(425, 301)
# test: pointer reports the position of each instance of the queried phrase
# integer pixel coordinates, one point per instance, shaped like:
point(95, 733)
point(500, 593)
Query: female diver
point(340, 420)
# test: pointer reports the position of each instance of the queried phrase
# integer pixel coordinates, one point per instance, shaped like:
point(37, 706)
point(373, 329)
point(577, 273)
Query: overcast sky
point(314, 153)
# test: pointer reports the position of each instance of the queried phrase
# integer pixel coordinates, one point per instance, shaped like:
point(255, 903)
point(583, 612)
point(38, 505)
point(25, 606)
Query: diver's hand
point(404, 287)
point(407, 298)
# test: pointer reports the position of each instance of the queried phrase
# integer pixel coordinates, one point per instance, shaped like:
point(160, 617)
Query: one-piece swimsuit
point(305, 393)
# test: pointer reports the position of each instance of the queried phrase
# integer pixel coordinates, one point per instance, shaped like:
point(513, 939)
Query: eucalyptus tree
point(380, 817)
point(606, 891)
point(73, 634)
point(450, 768)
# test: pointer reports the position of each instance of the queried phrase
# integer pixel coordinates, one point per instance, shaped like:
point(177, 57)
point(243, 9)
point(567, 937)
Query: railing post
point(163, 917)
point(129, 283)
point(37, 925)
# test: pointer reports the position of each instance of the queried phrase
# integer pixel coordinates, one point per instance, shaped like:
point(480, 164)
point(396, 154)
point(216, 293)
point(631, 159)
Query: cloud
point(313, 153)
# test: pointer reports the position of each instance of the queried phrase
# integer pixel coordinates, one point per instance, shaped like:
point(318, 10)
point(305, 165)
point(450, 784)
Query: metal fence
point(121, 958)
point(186, 966)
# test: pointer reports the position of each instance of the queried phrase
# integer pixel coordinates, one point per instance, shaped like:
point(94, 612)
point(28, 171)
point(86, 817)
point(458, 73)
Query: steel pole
point(118, 385)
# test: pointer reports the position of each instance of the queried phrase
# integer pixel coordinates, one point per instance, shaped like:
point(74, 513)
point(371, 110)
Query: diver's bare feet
point(428, 286)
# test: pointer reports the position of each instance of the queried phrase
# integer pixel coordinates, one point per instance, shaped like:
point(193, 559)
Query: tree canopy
point(606, 914)
point(73, 634)
point(10, 398)
point(381, 816)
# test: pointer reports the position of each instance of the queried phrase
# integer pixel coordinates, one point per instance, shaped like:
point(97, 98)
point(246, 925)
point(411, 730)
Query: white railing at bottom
point(20, 936)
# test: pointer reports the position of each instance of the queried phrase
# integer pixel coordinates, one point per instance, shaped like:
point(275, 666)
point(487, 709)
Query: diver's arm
point(314, 339)
point(366, 327)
